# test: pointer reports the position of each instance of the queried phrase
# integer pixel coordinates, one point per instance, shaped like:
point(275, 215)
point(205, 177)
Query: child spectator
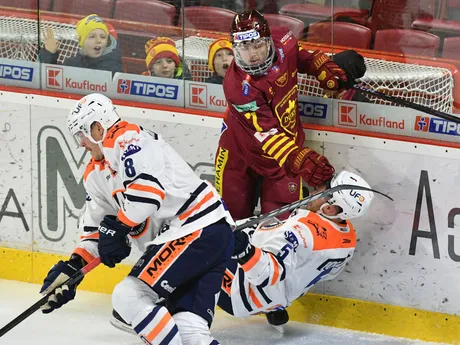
point(220, 56)
point(98, 48)
point(163, 60)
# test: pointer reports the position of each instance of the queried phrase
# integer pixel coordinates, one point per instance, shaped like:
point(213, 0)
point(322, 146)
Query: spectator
point(98, 48)
point(220, 56)
point(163, 60)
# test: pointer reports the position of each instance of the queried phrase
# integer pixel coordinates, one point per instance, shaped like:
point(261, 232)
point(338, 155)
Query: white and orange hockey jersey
point(104, 197)
point(290, 258)
point(158, 183)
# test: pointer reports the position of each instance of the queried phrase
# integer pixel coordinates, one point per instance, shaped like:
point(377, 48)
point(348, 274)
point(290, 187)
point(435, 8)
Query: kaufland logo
point(348, 114)
point(54, 78)
point(436, 125)
point(198, 95)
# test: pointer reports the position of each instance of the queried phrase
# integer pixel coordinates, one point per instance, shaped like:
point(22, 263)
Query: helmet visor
point(255, 56)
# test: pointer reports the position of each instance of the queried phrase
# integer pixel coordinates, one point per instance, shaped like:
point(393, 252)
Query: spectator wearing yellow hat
point(163, 60)
point(220, 56)
point(99, 48)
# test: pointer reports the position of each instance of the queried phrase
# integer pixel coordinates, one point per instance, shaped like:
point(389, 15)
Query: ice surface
point(85, 321)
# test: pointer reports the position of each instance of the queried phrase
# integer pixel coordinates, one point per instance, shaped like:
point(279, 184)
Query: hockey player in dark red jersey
point(262, 137)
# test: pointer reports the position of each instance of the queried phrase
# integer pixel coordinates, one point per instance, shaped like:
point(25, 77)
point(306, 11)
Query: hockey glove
point(58, 274)
point(352, 64)
point(243, 250)
point(330, 76)
point(314, 168)
point(113, 243)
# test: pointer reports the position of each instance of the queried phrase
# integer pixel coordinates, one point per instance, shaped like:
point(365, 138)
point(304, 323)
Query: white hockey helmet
point(354, 203)
point(91, 108)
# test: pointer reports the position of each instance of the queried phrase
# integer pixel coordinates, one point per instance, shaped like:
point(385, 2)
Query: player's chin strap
point(326, 193)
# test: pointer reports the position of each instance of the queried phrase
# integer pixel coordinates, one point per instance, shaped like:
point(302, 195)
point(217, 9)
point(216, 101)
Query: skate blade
point(122, 326)
point(280, 328)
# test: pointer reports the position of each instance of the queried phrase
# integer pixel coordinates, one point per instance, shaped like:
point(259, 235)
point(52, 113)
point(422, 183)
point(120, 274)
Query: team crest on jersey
point(291, 238)
point(292, 187)
point(286, 111)
point(130, 150)
point(282, 81)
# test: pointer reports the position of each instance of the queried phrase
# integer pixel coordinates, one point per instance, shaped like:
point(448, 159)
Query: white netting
point(18, 38)
point(426, 85)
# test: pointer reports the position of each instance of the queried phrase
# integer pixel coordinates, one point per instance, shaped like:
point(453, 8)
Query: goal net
point(431, 86)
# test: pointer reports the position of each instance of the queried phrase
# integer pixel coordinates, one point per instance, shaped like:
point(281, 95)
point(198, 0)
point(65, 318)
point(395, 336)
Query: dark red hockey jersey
point(262, 122)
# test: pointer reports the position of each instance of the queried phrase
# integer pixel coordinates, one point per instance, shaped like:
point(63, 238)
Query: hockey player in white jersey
point(191, 246)
point(280, 261)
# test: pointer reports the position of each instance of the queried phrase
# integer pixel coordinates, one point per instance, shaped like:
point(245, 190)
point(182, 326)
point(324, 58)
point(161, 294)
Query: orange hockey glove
point(330, 76)
point(314, 168)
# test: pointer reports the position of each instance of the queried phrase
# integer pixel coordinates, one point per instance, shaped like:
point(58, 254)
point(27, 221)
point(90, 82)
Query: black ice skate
point(278, 319)
point(117, 322)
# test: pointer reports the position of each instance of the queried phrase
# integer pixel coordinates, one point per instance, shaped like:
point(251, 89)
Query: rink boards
point(402, 281)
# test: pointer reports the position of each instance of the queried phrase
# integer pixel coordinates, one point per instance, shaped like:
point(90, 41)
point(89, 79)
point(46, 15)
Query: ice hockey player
point(279, 262)
point(192, 236)
point(262, 135)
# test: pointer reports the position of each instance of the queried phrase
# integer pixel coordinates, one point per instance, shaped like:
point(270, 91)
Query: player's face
point(95, 43)
point(92, 148)
point(222, 61)
point(163, 67)
point(253, 53)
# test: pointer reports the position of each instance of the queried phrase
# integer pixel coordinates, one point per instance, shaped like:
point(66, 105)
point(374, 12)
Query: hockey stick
point(407, 104)
point(72, 280)
point(304, 201)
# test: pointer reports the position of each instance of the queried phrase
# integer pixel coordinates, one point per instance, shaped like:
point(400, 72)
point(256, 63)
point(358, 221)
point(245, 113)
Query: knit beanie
point(214, 47)
point(88, 24)
point(161, 47)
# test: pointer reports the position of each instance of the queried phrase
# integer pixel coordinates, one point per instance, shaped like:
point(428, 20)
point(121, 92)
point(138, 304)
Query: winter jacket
point(215, 79)
point(110, 60)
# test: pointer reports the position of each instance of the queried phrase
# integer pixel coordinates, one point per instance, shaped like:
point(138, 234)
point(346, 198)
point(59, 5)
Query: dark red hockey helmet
point(248, 26)
point(253, 46)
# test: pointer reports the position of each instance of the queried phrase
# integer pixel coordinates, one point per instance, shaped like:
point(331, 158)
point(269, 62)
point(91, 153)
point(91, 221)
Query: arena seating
point(345, 34)
point(294, 24)
point(207, 18)
point(407, 42)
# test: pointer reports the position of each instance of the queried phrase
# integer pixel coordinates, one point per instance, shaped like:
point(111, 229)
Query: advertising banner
point(393, 120)
point(205, 96)
point(149, 89)
point(19, 73)
point(372, 117)
point(15, 173)
point(75, 80)
point(315, 110)
point(408, 253)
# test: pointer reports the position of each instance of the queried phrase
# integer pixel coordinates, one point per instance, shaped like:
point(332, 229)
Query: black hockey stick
point(407, 104)
point(304, 201)
point(72, 280)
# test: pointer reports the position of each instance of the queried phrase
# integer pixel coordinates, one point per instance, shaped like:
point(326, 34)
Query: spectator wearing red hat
point(220, 56)
point(163, 60)
point(99, 48)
